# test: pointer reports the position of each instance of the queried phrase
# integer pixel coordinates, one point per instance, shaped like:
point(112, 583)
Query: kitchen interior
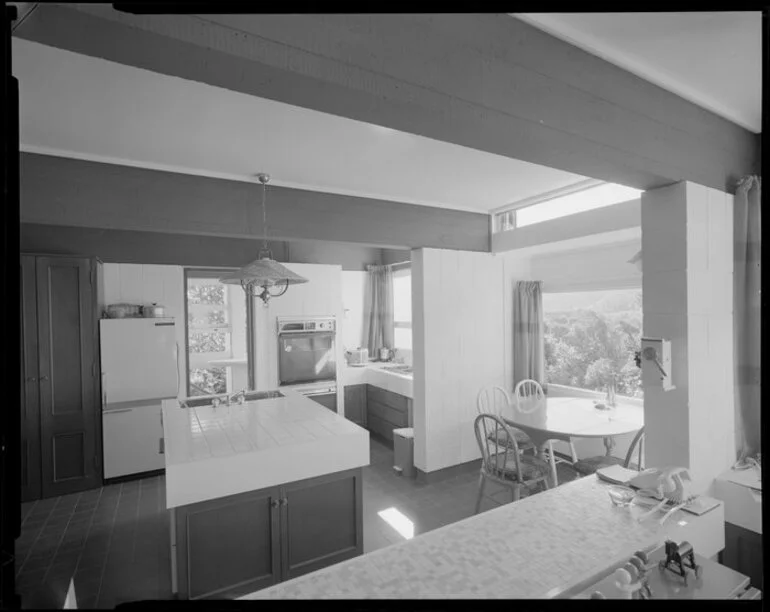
point(238, 386)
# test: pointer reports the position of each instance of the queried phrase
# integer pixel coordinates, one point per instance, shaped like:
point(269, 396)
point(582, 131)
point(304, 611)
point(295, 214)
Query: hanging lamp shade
point(259, 277)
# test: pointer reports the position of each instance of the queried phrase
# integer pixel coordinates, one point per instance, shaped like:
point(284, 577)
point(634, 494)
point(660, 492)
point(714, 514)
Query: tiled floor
point(114, 541)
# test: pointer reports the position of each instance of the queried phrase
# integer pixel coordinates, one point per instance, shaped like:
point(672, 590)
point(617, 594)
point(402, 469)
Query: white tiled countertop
point(215, 452)
point(538, 547)
point(373, 373)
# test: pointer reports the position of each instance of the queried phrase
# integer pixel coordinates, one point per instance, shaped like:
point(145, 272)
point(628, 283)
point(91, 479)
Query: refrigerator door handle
point(176, 358)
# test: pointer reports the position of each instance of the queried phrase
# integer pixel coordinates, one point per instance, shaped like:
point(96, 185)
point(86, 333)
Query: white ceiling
point(711, 59)
point(79, 106)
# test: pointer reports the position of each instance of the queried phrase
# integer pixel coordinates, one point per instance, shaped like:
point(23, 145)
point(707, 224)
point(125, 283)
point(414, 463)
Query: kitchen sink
point(399, 369)
point(250, 396)
point(260, 395)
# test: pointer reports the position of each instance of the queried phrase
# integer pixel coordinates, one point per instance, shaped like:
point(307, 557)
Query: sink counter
point(374, 373)
point(216, 452)
point(539, 547)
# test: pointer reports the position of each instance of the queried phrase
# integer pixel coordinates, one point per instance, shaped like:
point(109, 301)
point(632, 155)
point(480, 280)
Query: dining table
point(565, 418)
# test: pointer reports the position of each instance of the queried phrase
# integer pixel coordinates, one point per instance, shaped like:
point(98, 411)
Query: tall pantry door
point(30, 413)
point(69, 408)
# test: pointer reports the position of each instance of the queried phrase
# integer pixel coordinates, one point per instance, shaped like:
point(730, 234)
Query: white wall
point(145, 284)
point(321, 296)
point(353, 289)
point(457, 301)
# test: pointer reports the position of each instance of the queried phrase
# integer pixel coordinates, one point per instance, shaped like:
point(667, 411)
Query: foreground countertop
point(539, 547)
point(215, 452)
point(374, 373)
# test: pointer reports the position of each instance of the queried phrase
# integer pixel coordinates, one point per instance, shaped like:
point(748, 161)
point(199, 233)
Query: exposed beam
point(489, 82)
point(68, 192)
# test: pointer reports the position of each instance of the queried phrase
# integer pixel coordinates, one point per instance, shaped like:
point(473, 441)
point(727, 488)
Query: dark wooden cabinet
point(242, 543)
point(743, 553)
point(60, 441)
point(231, 544)
point(386, 411)
point(355, 404)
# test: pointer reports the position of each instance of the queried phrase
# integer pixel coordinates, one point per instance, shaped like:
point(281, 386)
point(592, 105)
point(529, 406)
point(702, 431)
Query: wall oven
point(307, 350)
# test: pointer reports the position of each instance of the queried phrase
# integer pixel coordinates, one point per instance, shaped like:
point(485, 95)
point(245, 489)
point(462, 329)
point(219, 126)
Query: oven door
point(306, 357)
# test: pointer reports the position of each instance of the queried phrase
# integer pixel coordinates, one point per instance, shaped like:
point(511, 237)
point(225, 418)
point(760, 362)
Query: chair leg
point(482, 482)
point(516, 492)
point(554, 477)
point(572, 451)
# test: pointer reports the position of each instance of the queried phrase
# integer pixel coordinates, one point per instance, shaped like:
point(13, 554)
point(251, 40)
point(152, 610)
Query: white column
point(687, 292)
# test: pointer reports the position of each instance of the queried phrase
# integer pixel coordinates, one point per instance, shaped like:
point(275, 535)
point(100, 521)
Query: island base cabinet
point(235, 545)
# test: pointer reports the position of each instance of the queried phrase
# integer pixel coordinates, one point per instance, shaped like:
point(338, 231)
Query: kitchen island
point(547, 545)
point(260, 492)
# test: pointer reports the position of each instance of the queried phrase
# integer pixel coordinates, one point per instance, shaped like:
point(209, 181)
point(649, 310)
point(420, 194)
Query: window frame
point(216, 273)
point(583, 392)
point(405, 267)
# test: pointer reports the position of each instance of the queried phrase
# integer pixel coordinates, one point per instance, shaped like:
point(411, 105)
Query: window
point(596, 196)
point(402, 308)
point(591, 336)
point(217, 360)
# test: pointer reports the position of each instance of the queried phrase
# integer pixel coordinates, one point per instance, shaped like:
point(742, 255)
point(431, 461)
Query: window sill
point(566, 391)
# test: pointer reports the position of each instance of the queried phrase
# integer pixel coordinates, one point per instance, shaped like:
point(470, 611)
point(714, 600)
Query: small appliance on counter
point(123, 311)
point(153, 311)
point(386, 354)
point(357, 357)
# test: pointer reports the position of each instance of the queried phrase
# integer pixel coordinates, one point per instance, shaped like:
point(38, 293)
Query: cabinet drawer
point(379, 426)
point(386, 413)
point(393, 400)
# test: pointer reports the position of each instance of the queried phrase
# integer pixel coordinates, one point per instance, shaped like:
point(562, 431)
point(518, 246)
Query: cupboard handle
point(43, 378)
point(284, 501)
point(31, 379)
point(274, 503)
point(161, 446)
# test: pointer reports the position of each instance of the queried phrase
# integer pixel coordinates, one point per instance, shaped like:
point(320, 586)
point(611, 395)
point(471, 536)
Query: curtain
point(528, 332)
point(378, 318)
point(746, 320)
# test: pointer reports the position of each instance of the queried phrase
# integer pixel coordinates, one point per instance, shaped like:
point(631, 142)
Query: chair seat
point(522, 439)
point(591, 464)
point(532, 468)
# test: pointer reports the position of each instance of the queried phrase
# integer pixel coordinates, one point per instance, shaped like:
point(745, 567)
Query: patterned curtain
point(378, 309)
point(747, 318)
point(528, 332)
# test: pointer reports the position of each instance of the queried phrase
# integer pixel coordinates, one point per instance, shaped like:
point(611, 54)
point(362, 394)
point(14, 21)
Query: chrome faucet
point(236, 395)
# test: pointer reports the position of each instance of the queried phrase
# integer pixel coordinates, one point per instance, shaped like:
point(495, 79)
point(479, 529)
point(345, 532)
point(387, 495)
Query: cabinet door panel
point(323, 522)
point(67, 362)
point(380, 427)
point(30, 396)
point(386, 413)
point(228, 546)
point(355, 404)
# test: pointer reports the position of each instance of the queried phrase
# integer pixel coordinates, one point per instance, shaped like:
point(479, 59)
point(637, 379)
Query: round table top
point(576, 417)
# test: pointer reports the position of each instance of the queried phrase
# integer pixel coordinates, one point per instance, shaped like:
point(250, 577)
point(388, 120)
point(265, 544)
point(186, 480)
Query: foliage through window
point(402, 308)
point(591, 337)
point(212, 336)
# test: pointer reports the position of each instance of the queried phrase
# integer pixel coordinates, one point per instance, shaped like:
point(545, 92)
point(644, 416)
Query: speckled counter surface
point(535, 548)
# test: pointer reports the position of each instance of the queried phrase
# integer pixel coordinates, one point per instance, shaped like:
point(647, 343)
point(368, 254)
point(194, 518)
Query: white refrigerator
point(140, 368)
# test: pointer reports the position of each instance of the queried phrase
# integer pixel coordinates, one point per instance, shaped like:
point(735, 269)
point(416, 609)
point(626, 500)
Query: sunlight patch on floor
point(398, 521)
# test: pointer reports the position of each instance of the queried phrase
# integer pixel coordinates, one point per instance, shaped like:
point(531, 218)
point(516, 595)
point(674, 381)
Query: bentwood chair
point(495, 400)
point(589, 466)
point(529, 397)
point(510, 469)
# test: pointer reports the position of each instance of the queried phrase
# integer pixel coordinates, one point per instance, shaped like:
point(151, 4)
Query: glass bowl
point(621, 496)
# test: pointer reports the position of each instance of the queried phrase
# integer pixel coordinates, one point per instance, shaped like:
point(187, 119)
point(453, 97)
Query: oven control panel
point(314, 324)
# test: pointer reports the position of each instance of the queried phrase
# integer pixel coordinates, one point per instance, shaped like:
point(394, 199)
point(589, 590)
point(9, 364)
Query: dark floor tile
point(37, 524)
point(92, 562)
point(32, 578)
point(87, 603)
point(36, 562)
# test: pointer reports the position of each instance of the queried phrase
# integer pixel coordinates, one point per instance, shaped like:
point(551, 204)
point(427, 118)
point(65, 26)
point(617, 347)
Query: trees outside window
point(591, 337)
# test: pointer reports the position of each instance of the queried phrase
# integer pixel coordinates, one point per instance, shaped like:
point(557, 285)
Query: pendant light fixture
point(262, 276)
